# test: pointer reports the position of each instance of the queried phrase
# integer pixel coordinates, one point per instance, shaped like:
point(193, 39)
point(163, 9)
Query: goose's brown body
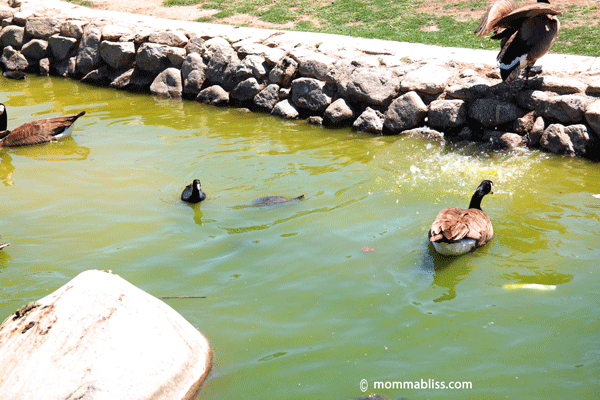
point(453, 224)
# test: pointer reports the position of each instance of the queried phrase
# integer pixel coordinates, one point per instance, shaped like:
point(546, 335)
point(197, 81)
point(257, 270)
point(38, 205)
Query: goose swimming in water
point(35, 132)
point(193, 193)
point(270, 200)
point(526, 33)
point(456, 231)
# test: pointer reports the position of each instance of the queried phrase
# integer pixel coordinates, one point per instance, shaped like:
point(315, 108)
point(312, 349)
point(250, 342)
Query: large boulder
point(406, 112)
point(268, 97)
point(555, 140)
point(285, 109)
point(283, 73)
point(430, 79)
point(13, 60)
point(61, 46)
point(370, 121)
point(42, 27)
point(192, 73)
point(117, 54)
point(566, 109)
point(491, 113)
point(447, 113)
point(169, 38)
point(214, 95)
point(375, 86)
point(246, 90)
point(338, 112)
point(35, 49)
point(12, 36)
point(152, 57)
point(88, 53)
point(592, 116)
point(168, 83)
point(100, 337)
point(221, 61)
point(311, 94)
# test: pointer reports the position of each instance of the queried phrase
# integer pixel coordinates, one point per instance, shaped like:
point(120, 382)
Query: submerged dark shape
point(3, 245)
point(270, 200)
point(35, 132)
point(18, 75)
point(193, 193)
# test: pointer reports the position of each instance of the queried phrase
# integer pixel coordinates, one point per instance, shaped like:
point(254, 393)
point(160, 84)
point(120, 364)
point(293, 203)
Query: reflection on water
point(308, 298)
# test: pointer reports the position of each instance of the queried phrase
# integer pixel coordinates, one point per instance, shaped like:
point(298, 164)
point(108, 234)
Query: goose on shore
point(456, 231)
point(193, 193)
point(526, 33)
point(35, 132)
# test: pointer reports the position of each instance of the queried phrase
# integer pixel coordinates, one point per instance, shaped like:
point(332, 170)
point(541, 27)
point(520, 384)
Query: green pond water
point(306, 299)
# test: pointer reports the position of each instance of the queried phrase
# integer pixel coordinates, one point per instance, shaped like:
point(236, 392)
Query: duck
point(35, 132)
point(193, 193)
point(17, 75)
point(270, 200)
point(526, 33)
point(456, 231)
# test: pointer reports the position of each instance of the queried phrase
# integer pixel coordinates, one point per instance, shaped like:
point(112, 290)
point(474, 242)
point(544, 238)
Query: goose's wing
point(516, 17)
point(495, 12)
point(454, 224)
point(40, 131)
point(479, 225)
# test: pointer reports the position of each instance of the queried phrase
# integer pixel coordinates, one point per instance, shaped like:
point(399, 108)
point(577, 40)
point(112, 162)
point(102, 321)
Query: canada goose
point(3, 245)
point(526, 33)
point(456, 231)
point(193, 193)
point(270, 200)
point(17, 75)
point(35, 132)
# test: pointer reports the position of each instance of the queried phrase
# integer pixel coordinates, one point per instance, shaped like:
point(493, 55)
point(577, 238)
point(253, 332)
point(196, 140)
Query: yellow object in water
point(536, 286)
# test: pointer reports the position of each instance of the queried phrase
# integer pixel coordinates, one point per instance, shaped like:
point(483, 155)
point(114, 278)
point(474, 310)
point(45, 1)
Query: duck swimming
point(193, 193)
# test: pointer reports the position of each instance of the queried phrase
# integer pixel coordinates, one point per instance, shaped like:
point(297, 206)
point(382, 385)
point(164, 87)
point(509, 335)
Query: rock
point(272, 55)
point(192, 73)
point(168, 83)
point(579, 138)
point(121, 81)
point(285, 109)
point(252, 65)
point(469, 89)
point(374, 86)
point(61, 46)
point(537, 130)
point(12, 36)
point(246, 90)
point(491, 113)
point(42, 27)
point(35, 49)
point(169, 38)
point(66, 67)
point(447, 114)
point(20, 17)
point(195, 44)
point(88, 53)
point(176, 56)
point(315, 120)
point(524, 124)
point(268, 97)
point(101, 337)
point(592, 116)
point(406, 112)
point(555, 140)
point(593, 88)
point(114, 32)
point(338, 112)
point(532, 99)
point(312, 64)
point(214, 95)
point(117, 54)
point(152, 57)
point(221, 62)
point(73, 28)
point(283, 73)
point(430, 79)
point(311, 94)
point(566, 109)
point(13, 60)
point(512, 141)
point(6, 12)
point(370, 121)
point(561, 85)
point(44, 66)
point(426, 133)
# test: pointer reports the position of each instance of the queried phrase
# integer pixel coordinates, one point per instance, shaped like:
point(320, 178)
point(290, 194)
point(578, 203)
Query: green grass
point(398, 20)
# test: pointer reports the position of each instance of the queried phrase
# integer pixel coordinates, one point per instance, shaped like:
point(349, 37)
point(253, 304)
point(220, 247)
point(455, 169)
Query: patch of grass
point(85, 3)
point(452, 24)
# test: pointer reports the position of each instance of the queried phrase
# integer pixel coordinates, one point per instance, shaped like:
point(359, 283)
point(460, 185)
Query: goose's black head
point(544, 1)
point(196, 184)
point(485, 187)
point(3, 118)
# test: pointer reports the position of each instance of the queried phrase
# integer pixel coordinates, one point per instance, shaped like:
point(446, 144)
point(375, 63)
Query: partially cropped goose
point(526, 33)
point(193, 193)
point(35, 132)
point(456, 231)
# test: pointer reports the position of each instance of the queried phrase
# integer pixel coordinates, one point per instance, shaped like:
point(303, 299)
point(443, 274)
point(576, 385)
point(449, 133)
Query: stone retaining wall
point(373, 91)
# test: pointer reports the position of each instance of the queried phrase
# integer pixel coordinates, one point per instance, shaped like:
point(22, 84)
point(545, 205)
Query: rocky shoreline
point(376, 87)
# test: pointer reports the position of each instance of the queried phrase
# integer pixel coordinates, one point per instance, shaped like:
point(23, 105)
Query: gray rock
point(35, 49)
point(555, 140)
point(469, 89)
point(192, 73)
point(593, 88)
point(285, 109)
point(284, 92)
point(252, 65)
point(310, 93)
point(283, 73)
point(338, 112)
point(169, 38)
point(532, 99)
point(114, 32)
point(312, 64)
point(447, 114)
point(6, 12)
point(512, 141)
point(66, 67)
point(20, 17)
point(117, 54)
point(315, 120)
point(44, 67)
point(375, 86)
point(168, 83)
point(268, 97)
point(272, 55)
point(73, 28)
point(12, 36)
point(426, 133)
point(246, 90)
point(13, 60)
point(195, 44)
point(465, 133)
point(370, 121)
point(579, 137)
point(176, 56)
point(592, 116)
point(491, 113)
point(152, 57)
point(88, 53)
point(566, 109)
point(61, 46)
point(42, 27)
point(523, 125)
point(406, 112)
point(561, 85)
point(537, 130)
point(136, 81)
point(430, 79)
point(101, 337)
point(121, 81)
point(214, 95)
point(221, 62)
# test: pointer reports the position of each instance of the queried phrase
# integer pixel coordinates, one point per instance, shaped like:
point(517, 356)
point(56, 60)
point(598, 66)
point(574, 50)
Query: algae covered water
point(321, 297)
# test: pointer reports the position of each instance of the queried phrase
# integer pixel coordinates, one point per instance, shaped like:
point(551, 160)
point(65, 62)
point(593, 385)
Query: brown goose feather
point(36, 132)
point(453, 224)
point(495, 12)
